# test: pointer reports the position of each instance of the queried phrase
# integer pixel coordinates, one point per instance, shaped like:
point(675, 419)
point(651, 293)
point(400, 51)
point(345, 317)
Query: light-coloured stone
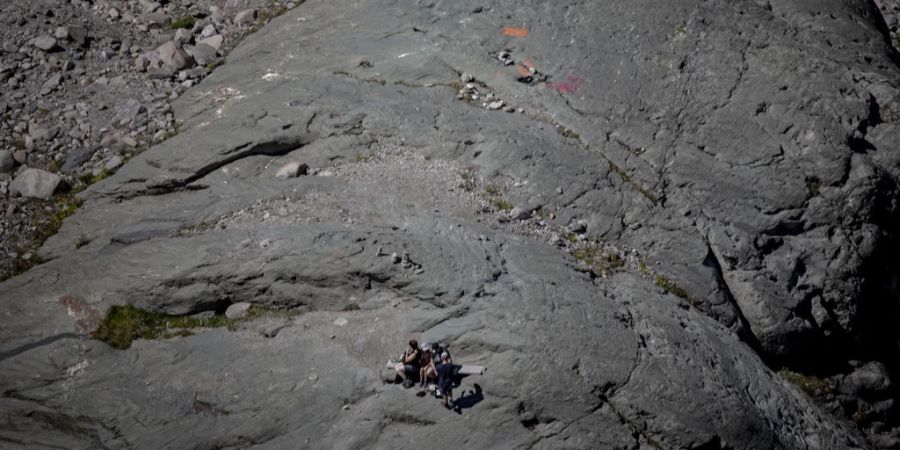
point(183, 36)
point(292, 169)
point(61, 33)
point(36, 183)
point(519, 214)
point(174, 57)
point(214, 41)
point(45, 43)
point(208, 31)
point(114, 163)
point(238, 310)
point(202, 53)
point(245, 17)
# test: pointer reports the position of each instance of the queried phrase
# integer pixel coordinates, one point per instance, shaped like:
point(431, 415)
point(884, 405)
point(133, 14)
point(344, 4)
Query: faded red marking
point(523, 71)
point(570, 86)
point(515, 31)
point(87, 319)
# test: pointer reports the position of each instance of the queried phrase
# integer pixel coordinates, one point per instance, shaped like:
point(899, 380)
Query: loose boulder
point(45, 43)
point(174, 57)
point(245, 17)
point(238, 310)
point(36, 183)
point(7, 161)
point(292, 169)
point(214, 41)
point(202, 53)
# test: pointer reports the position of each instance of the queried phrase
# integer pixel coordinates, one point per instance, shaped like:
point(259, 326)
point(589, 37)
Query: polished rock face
point(737, 162)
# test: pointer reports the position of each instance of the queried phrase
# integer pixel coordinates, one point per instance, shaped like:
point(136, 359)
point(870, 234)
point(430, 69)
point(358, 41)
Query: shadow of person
point(469, 399)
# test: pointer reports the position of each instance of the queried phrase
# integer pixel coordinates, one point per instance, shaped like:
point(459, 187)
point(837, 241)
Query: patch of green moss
point(627, 178)
point(642, 266)
point(568, 133)
point(812, 385)
point(267, 15)
point(54, 166)
point(187, 22)
point(16, 267)
point(493, 195)
point(500, 204)
point(468, 181)
point(407, 84)
point(200, 227)
point(212, 65)
point(124, 324)
point(89, 178)
point(61, 207)
point(813, 186)
point(672, 288)
point(256, 312)
point(600, 261)
point(64, 207)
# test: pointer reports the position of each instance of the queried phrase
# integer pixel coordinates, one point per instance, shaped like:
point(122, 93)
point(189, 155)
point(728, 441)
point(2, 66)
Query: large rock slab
point(705, 140)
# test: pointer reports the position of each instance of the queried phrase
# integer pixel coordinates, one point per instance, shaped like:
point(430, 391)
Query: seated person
point(408, 368)
point(428, 372)
point(439, 350)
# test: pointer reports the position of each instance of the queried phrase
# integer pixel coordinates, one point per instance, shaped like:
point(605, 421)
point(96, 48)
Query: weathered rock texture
point(740, 156)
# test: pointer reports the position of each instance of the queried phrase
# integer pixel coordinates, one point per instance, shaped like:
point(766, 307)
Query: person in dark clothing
point(408, 368)
point(439, 350)
point(446, 372)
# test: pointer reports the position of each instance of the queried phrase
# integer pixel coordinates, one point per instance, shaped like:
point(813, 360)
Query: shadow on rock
point(470, 399)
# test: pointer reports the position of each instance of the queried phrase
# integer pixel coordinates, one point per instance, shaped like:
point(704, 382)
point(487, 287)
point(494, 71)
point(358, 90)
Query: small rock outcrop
point(292, 169)
point(36, 183)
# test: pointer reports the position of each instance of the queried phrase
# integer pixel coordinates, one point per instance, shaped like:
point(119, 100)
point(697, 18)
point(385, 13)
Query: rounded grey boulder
point(36, 183)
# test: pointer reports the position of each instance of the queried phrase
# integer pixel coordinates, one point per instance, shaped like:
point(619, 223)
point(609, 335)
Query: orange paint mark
point(515, 31)
point(523, 71)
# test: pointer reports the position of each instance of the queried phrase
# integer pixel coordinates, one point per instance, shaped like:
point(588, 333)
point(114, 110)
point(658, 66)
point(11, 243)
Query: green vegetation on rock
point(493, 195)
point(125, 323)
point(89, 178)
point(600, 261)
point(672, 288)
point(812, 385)
point(187, 22)
point(62, 207)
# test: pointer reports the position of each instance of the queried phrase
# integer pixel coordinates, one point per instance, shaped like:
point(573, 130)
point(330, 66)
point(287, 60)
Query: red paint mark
point(515, 31)
point(570, 86)
point(87, 319)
